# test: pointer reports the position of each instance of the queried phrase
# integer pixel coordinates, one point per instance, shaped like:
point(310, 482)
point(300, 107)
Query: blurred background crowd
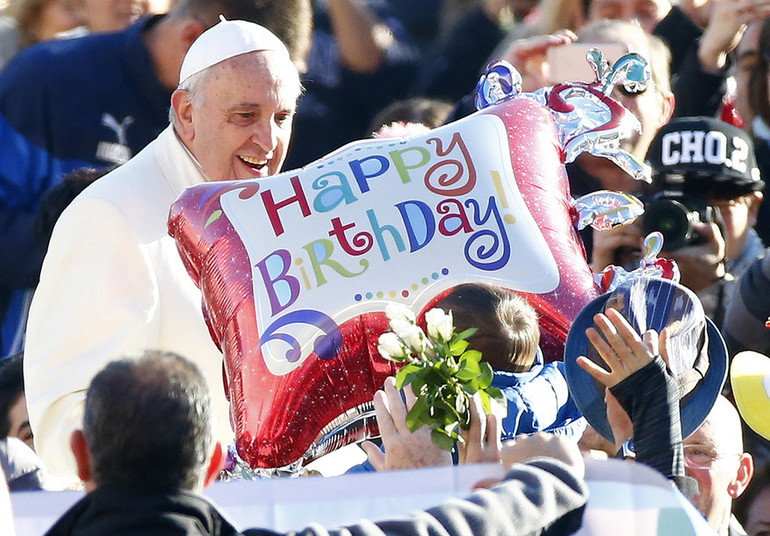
point(403, 66)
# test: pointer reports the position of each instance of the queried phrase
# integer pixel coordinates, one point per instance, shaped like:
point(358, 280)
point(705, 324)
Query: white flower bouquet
point(443, 372)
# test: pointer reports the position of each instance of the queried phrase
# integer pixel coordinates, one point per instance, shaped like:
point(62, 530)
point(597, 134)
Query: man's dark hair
point(508, 332)
point(290, 20)
point(147, 424)
point(11, 388)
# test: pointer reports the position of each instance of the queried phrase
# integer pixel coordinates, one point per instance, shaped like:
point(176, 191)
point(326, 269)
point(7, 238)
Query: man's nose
point(266, 135)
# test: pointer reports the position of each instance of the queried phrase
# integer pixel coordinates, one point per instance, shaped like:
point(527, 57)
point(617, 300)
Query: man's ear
point(190, 31)
point(82, 455)
point(180, 102)
point(216, 464)
point(667, 108)
point(743, 476)
point(756, 202)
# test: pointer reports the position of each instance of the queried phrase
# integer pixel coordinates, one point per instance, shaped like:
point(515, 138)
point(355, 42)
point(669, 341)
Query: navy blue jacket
point(91, 101)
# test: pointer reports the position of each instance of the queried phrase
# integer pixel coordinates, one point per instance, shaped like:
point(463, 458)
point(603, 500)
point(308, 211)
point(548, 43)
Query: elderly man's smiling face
point(237, 118)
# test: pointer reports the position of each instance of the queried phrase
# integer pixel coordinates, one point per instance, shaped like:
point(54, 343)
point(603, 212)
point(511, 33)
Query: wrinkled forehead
point(273, 68)
point(721, 429)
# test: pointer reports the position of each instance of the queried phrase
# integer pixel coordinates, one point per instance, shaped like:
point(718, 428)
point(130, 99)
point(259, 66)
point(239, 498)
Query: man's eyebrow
point(242, 105)
point(254, 105)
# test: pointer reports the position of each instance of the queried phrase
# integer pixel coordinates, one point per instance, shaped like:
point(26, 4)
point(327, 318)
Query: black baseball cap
point(705, 156)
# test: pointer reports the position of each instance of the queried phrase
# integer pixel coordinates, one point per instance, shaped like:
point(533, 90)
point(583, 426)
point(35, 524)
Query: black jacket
point(120, 513)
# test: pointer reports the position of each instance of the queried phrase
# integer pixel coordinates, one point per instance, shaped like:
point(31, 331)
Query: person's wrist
point(711, 59)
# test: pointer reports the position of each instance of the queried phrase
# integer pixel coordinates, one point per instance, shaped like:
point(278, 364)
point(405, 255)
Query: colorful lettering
point(282, 289)
point(439, 181)
point(271, 207)
point(320, 253)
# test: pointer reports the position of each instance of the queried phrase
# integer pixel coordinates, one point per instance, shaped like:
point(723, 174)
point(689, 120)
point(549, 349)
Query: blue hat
point(697, 351)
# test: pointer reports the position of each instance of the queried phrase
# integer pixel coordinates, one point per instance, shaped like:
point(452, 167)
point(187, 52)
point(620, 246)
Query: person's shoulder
point(60, 58)
point(114, 186)
point(135, 190)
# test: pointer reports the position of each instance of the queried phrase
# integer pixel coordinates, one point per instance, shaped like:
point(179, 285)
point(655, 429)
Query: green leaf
point(469, 371)
point(458, 347)
point(486, 376)
point(485, 402)
point(498, 396)
point(471, 355)
point(439, 417)
point(418, 416)
point(405, 376)
point(441, 440)
point(434, 377)
point(447, 408)
point(464, 334)
point(447, 369)
point(418, 382)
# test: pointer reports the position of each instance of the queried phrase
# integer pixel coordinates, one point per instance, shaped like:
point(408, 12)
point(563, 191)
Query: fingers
point(396, 406)
point(485, 483)
point(542, 444)
point(607, 346)
point(524, 48)
point(478, 426)
point(482, 440)
point(625, 341)
point(493, 428)
point(714, 241)
point(566, 35)
point(493, 437)
point(596, 372)
point(651, 340)
point(409, 396)
point(624, 330)
point(375, 455)
point(619, 345)
point(471, 445)
point(384, 418)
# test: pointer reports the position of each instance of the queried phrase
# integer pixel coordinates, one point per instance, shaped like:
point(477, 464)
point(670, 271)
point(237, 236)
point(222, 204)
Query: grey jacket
point(540, 497)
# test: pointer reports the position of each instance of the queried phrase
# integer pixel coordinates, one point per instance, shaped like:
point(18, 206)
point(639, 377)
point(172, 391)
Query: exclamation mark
point(508, 218)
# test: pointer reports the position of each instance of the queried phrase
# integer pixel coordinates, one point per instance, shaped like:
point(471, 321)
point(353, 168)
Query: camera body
point(674, 214)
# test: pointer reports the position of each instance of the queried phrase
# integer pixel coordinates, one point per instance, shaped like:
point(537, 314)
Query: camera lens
point(672, 219)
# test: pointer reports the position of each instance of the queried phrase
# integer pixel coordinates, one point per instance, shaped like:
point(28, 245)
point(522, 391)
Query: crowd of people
point(110, 109)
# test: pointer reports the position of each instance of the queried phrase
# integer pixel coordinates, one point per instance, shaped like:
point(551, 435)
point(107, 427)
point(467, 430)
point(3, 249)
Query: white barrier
point(623, 494)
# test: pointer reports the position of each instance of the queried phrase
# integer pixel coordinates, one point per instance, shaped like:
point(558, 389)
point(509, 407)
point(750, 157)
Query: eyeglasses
point(703, 456)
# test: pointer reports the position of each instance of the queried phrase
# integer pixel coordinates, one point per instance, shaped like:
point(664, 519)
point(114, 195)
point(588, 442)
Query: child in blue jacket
point(508, 337)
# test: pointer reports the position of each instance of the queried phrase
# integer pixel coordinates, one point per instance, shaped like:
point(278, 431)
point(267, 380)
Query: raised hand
point(403, 449)
point(622, 348)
